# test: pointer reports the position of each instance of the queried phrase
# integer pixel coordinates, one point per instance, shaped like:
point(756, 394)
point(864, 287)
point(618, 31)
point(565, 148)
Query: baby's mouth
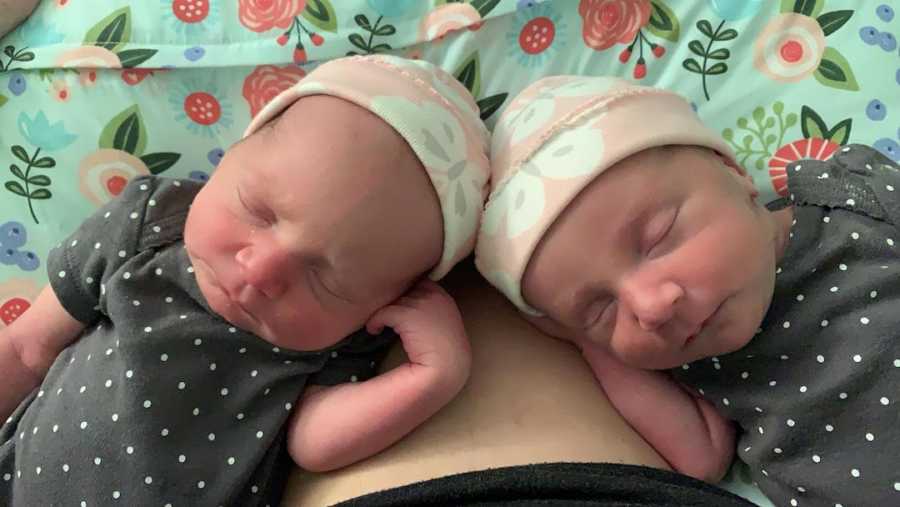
point(693, 336)
point(230, 296)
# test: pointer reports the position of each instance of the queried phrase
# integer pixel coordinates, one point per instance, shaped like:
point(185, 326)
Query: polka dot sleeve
point(79, 266)
point(355, 359)
point(883, 176)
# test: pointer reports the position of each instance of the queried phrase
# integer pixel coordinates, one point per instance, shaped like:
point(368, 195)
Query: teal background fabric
point(95, 93)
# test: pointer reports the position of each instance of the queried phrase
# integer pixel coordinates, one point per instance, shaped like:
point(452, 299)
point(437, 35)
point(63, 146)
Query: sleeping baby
point(193, 335)
point(618, 221)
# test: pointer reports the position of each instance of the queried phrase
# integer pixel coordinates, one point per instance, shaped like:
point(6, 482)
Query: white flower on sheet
point(521, 201)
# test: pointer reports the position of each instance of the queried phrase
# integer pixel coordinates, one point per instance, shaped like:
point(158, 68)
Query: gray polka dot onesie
point(160, 401)
point(816, 392)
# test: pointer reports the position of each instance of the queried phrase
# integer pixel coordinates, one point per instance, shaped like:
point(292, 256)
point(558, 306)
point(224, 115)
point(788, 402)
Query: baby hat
point(555, 137)
point(436, 116)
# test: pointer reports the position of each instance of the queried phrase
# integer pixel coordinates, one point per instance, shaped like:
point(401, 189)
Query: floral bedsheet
point(93, 93)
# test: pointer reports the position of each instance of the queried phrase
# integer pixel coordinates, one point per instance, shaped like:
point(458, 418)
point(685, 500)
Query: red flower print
point(537, 35)
point(13, 309)
point(299, 54)
point(16, 296)
point(607, 22)
point(135, 76)
point(267, 81)
point(263, 15)
point(814, 147)
point(640, 70)
point(202, 108)
point(190, 11)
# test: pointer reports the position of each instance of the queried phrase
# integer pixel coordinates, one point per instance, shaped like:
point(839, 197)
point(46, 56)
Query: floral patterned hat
point(434, 114)
point(555, 137)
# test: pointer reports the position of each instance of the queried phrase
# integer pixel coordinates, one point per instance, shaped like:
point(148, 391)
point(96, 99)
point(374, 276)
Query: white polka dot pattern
point(158, 386)
point(817, 386)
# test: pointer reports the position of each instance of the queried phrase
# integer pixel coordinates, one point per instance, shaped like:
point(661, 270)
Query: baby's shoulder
point(857, 181)
point(161, 205)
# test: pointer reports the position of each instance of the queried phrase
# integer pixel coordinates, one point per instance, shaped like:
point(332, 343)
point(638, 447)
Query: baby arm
point(30, 344)
point(339, 425)
point(685, 429)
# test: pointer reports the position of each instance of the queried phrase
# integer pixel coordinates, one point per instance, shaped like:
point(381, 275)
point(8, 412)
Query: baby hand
point(432, 332)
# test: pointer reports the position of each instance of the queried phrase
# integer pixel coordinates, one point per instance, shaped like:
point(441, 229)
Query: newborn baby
point(618, 221)
point(191, 334)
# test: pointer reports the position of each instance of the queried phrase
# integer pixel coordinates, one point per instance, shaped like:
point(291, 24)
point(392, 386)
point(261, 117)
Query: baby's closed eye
point(657, 231)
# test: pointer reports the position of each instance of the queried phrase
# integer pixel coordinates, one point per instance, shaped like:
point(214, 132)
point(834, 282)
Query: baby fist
point(431, 329)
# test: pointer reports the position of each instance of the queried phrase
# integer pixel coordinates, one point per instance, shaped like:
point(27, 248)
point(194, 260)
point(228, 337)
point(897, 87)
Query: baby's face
point(664, 259)
point(309, 226)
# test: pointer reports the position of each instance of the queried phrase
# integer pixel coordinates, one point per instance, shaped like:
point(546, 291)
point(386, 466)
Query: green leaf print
point(374, 30)
point(20, 153)
point(484, 7)
point(812, 125)
point(41, 193)
point(840, 133)
point(663, 22)
point(764, 134)
point(810, 8)
point(489, 105)
point(14, 187)
point(159, 162)
point(834, 71)
point(469, 74)
point(39, 180)
point(321, 14)
point(126, 132)
point(134, 57)
point(112, 31)
point(834, 20)
point(707, 53)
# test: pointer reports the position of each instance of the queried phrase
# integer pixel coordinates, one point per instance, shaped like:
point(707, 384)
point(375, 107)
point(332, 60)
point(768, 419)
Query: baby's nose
point(264, 269)
point(653, 306)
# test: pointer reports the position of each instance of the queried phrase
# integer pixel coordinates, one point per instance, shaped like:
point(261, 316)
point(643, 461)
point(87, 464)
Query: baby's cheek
point(305, 323)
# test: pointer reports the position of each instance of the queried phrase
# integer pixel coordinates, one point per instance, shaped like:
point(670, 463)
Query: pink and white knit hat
point(433, 112)
point(555, 137)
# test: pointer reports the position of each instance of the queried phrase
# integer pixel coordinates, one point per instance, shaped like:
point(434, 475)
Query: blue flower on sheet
point(17, 83)
point(13, 237)
point(194, 53)
point(534, 39)
point(39, 132)
point(199, 176)
point(888, 147)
